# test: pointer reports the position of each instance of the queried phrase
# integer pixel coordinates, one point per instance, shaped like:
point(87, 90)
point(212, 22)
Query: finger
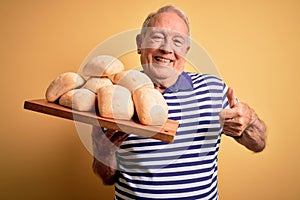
point(109, 133)
point(227, 114)
point(231, 97)
point(118, 138)
point(233, 125)
point(232, 131)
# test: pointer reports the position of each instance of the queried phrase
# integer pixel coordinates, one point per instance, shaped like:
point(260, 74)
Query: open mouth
point(162, 60)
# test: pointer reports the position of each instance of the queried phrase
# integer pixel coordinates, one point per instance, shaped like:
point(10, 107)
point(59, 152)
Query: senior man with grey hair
point(143, 168)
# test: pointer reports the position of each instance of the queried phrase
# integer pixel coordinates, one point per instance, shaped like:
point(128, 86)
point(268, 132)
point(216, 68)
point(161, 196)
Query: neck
point(163, 84)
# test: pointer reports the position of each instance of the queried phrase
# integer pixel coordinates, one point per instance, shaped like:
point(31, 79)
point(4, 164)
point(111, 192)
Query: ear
point(187, 49)
point(138, 40)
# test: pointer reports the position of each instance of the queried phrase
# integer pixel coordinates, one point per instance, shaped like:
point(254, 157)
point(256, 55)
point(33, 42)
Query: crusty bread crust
point(94, 83)
point(150, 106)
point(79, 99)
point(132, 80)
point(62, 84)
point(103, 65)
point(115, 102)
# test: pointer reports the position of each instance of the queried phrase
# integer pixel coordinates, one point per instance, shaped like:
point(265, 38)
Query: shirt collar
point(183, 83)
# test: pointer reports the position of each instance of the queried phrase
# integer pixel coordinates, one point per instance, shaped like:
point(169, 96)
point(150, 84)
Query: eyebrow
point(165, 31)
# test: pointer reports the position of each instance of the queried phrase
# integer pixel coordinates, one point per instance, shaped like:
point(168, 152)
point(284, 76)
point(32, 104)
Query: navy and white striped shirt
point(187, 168)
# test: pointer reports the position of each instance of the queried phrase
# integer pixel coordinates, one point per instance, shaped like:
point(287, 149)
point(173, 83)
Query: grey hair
point(168, 8)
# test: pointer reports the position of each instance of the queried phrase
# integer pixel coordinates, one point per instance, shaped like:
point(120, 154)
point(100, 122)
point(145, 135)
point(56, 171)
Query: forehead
point(169, 20)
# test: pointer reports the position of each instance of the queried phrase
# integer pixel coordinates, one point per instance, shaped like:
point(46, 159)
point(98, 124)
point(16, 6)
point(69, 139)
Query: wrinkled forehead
point(169, 21)
point(150, 31)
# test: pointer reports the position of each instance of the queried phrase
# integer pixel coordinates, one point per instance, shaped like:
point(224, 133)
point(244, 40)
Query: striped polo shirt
point(186, 168)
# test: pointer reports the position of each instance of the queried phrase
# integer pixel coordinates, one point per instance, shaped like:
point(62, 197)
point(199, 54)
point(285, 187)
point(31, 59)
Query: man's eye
point(157, 37)
point(178, 42)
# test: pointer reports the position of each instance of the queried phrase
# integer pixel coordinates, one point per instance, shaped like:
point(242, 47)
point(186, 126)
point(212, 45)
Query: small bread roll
point(62, 84)
point(103, 65)
point(79, 99)
point(115, 102)
point(94, 83)
point(132, 80)
point(150, 106)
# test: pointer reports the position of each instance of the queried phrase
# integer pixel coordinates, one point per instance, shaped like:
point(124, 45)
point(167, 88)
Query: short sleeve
point(225, 103)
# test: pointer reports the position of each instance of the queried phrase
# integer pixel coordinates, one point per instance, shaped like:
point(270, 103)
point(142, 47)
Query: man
point(143, 168)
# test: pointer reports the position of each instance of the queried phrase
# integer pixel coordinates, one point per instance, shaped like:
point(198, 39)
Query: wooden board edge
point(165, 133)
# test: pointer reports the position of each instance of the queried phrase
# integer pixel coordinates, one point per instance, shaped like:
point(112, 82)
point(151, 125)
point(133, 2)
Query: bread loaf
point(94, 83)
point(115, 102)
point(103, 65)
point(79, 99)
point(62, 84)
point(150, 106)
point(132, 80)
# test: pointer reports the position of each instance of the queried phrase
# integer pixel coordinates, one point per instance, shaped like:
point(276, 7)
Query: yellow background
point(254, 44)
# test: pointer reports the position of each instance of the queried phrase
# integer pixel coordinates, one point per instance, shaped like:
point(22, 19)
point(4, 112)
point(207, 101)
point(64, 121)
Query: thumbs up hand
point(231, 97)
point(236, 119)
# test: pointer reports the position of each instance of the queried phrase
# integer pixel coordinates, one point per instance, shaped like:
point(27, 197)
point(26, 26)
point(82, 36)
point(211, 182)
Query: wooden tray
point(165, 133)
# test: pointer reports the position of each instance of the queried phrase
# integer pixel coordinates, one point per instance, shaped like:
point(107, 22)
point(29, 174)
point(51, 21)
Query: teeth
point(160, 59)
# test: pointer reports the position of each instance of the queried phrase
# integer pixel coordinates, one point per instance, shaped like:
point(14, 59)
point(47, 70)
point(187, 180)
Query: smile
point(161, 59)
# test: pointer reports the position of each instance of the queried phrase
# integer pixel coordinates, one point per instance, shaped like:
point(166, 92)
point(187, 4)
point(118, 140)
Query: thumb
point(231, 97)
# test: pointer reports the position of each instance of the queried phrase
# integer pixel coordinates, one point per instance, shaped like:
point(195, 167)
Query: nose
point(166, 47)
